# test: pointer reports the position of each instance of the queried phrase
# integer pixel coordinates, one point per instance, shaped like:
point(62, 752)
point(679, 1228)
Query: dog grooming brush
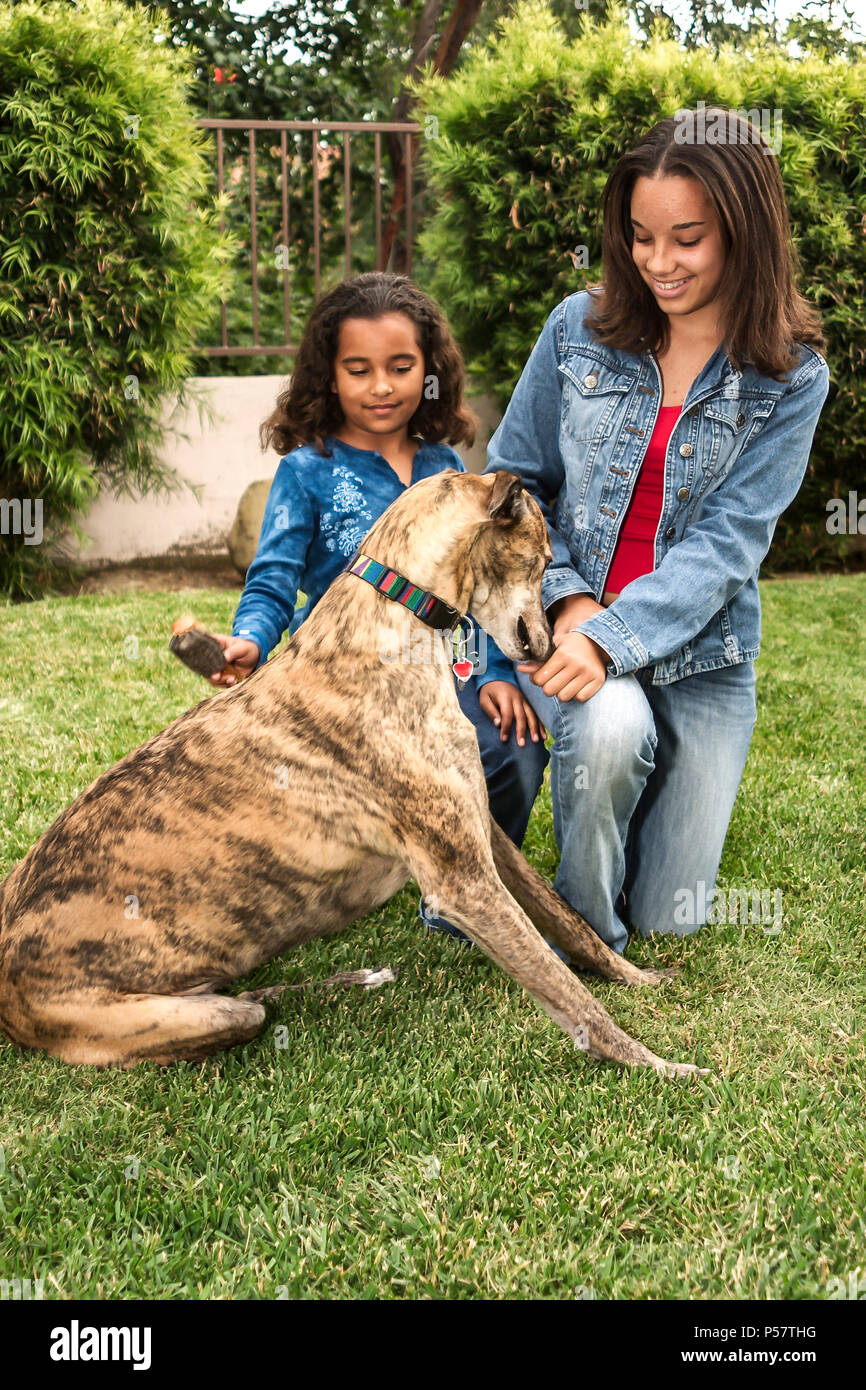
point(199, 650)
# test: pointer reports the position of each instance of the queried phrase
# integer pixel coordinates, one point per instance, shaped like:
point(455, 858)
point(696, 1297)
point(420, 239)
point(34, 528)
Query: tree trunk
point(394, 249)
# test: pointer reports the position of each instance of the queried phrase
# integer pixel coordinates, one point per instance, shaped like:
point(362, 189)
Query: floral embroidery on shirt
point(342, 532)
point(349, 491)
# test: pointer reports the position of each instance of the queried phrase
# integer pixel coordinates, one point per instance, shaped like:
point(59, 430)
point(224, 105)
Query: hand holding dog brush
point(205, 652)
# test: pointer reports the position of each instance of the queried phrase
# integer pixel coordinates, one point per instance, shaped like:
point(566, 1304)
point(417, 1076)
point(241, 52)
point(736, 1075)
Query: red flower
point(217, 74)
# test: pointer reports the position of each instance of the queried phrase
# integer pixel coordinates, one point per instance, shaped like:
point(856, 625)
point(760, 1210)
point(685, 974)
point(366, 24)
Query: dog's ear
point(507, 499)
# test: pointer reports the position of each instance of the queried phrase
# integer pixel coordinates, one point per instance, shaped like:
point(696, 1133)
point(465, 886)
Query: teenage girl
point(663, 422)
point(376, 388)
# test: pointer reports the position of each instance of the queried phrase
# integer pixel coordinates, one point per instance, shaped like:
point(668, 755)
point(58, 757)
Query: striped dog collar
point(431, 609)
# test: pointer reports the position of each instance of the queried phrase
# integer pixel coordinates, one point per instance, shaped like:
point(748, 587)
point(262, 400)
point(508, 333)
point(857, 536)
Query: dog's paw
point(679, 1069)
point(268, 992)
point(658, 977)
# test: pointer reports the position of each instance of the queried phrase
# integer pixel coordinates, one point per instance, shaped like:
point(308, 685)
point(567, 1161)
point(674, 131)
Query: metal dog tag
point(463, 665)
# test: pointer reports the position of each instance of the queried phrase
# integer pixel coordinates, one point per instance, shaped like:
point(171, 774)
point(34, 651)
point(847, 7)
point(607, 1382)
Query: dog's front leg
point(468, 892)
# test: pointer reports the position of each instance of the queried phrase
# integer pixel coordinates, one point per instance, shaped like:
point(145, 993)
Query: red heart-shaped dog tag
point(463, 669)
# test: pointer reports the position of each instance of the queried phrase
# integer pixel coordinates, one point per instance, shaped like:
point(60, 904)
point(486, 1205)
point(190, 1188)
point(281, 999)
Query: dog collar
point(426, 605)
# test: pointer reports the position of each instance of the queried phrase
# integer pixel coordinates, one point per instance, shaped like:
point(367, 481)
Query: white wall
point(223, 457)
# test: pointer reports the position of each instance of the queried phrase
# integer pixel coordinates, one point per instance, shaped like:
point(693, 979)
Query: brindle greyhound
point(287, 807)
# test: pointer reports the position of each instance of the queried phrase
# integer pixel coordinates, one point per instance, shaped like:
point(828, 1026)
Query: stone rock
point(243, 538)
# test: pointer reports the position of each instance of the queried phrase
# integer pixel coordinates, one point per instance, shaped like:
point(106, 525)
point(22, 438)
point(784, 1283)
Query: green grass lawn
point(439, 1137)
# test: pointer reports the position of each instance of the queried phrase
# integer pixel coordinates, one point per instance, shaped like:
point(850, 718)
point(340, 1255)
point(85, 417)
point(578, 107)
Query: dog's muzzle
point(524, 640)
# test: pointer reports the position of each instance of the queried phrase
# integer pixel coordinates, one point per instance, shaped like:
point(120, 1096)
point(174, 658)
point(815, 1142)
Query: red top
point(635, 550)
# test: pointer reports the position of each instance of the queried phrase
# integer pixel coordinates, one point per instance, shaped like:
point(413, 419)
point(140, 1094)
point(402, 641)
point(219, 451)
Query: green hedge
point(110, 261)
point(526, 134)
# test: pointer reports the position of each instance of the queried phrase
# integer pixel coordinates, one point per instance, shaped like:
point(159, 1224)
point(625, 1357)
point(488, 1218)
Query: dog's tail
point(556, 919)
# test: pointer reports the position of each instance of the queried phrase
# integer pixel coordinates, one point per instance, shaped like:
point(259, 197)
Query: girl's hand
point(504, 703)
point(576, 671)
point(241, 653)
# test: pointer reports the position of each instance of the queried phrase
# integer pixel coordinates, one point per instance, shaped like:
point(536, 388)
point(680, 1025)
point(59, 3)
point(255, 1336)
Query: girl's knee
point(615, 722)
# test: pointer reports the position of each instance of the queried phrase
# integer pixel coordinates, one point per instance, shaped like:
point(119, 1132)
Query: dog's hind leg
point(554, 917)
point(92, 1027)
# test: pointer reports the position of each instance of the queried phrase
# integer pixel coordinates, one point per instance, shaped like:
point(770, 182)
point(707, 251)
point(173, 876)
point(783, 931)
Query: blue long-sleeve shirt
point(318, 512)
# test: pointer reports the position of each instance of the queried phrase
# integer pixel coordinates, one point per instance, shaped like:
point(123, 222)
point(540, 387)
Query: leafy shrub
point(110, 261)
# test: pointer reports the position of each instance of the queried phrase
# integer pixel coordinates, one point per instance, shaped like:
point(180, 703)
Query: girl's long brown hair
point(307, 409)
point(763, 313)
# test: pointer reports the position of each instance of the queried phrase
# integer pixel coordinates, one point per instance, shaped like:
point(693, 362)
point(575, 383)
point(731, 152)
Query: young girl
point(377, 385)
point(663, 422)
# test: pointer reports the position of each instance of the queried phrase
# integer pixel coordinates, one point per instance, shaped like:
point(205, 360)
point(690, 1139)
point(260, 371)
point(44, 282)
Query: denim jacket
point(317, 514)
point(576, 431)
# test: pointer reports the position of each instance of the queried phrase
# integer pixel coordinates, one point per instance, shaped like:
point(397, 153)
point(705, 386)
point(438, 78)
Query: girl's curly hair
point(307, 410)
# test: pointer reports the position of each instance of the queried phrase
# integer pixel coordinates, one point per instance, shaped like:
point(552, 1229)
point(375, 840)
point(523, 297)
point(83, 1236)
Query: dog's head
point(480, 543)
point(507, 559)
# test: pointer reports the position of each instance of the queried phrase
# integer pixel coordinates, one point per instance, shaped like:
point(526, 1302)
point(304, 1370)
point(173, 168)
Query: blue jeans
point(643, 780)
point(513, 775)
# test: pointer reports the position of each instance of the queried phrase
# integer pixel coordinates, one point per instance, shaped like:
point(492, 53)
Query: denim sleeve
point(723, 548)
point(498, 668)
point(527, 443)
point(268, 600)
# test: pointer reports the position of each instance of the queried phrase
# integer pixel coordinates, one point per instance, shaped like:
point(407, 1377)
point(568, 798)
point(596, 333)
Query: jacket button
point(686, 450)
point(670, 533)
point(741, 419)
point(683, 494)
point(591, 380)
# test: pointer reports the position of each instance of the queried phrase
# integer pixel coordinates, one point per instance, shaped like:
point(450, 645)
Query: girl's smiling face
point(677, 246)
point(379, 378)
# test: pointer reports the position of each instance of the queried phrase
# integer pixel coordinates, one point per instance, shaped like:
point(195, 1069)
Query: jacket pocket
point(592, 393)
point(729, 423)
